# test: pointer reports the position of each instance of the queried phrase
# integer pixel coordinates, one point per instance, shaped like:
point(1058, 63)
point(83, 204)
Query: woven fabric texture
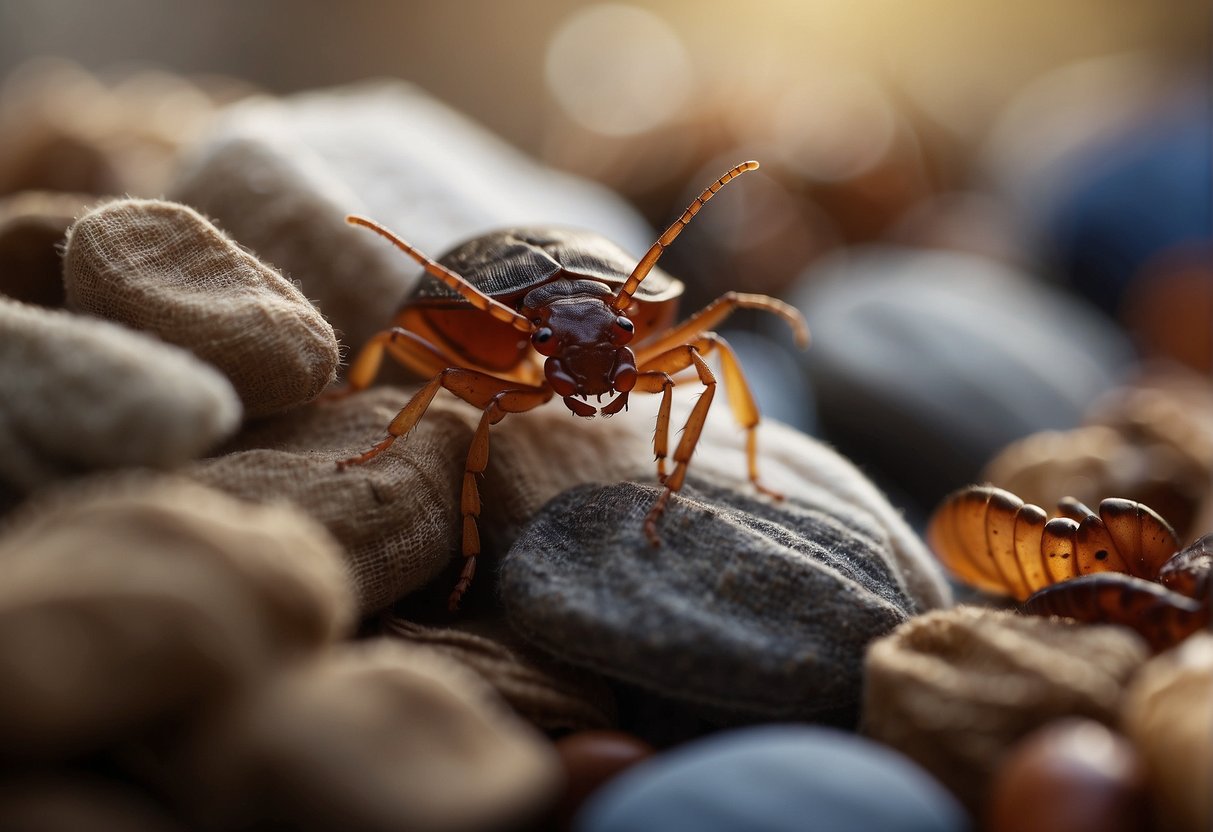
point(538, 455)
point(548, 694)
point(748, 608)
point(281, 175)
point(396, 518)
point(296, 219)
point(163, 268)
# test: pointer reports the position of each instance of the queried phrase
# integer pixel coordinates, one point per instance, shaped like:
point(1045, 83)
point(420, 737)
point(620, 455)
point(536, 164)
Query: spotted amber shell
point(1120, 566)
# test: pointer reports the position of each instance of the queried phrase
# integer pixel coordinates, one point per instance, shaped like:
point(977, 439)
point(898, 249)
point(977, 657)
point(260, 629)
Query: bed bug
point(512, 318)
point(1122, 565)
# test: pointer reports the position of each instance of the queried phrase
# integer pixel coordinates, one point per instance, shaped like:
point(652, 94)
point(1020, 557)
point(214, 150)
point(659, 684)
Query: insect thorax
point(556, 290)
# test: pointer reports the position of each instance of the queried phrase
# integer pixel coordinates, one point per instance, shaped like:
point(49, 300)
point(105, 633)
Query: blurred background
point(995, 215)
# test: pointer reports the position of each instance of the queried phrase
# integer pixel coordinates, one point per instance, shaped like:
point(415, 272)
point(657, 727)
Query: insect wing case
point(506, 265)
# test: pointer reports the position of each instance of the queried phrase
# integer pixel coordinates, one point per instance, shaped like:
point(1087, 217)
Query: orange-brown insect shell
point(1161, 616)
point(507, 265)
point(1119, 566)
point(992, 540)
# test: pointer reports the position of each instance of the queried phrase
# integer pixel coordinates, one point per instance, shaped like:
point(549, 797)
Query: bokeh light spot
point(618, 70)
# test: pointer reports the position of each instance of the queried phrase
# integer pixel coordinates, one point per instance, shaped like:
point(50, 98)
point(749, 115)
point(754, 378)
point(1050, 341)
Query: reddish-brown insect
point(1118, 566)
point(581, 303)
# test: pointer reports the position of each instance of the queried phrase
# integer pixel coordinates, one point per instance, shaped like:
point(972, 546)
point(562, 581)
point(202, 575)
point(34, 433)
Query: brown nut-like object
point(1074, 775)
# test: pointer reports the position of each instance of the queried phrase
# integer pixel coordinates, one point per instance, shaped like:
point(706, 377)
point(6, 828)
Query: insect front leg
point(497, 397)
point(659, 382)
point(741, 401)
point(670, 363)
point(472, 386)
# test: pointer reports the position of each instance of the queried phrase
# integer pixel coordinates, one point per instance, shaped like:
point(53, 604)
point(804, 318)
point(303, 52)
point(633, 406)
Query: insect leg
point(741, 401)
point(496, 396)
point(407, 348)
point(655, 382)
point(508, 401)
point(715, 312)
point(671, 362)
point(472, 386)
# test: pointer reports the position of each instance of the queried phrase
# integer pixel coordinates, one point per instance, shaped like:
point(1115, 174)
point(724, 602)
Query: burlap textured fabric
point(79, 394)
point(162, 267)
point(367, 737)
point(295, 218)
point(133, 599)
point(1168, 713)
point(954, 689)
point(749, 608)
point(33, 225)
point(805, 469)
point(396, 518)
point(548, 694)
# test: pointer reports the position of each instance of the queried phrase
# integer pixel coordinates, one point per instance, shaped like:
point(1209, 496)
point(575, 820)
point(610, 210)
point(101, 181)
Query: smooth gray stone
point(926, 363)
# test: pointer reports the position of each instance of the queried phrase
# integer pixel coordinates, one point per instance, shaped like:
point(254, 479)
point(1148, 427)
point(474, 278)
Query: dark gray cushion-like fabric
point(750, 608)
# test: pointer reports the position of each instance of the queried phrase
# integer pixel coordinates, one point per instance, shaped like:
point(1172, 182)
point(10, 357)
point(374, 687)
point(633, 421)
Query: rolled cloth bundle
point(163, 268)
point(955, 688)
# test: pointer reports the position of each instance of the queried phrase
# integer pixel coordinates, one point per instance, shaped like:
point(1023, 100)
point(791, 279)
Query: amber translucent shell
point(1116, 567)
point(992, 540)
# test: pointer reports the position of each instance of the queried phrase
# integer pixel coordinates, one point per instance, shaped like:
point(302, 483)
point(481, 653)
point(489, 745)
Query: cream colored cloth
point(79, 394)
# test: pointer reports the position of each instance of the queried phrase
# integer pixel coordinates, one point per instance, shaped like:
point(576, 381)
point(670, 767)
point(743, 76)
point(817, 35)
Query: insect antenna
point(469, 292)
point(650, 258)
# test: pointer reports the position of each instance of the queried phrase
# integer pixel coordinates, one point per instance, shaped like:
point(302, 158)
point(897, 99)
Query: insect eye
point(622, 331)
point(542, 336)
